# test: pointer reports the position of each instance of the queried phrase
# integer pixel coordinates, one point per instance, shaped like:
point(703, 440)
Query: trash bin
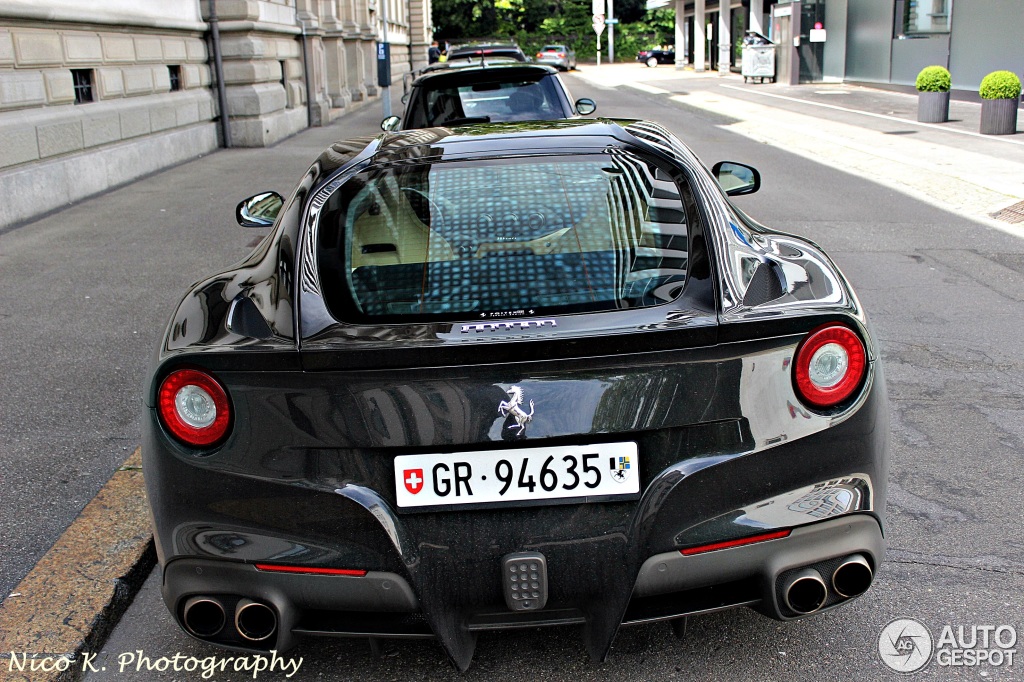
point(758, 57)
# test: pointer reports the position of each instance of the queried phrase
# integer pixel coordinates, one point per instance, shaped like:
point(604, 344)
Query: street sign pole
point(384, 55)
point(598, 23)
point(611, 31)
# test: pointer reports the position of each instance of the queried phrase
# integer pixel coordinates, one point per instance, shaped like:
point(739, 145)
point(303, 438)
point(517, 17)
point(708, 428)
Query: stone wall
point(261, 48)
point(118, 126)
point(94, 95)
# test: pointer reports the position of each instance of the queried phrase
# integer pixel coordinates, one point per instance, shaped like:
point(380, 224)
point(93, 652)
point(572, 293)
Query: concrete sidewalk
point(870, 132)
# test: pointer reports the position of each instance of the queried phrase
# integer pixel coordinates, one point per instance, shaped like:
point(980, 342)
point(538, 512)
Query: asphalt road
point(88, 290)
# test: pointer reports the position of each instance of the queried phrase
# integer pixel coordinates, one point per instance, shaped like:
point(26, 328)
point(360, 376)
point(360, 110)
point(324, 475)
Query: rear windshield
point(509, 99)
point(501, 238)
point(553, 48)
point(512, 52)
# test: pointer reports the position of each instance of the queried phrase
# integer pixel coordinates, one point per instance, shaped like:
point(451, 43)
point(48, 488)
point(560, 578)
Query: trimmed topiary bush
point(933, 79)
point(1000, 94)
point(1000, 85)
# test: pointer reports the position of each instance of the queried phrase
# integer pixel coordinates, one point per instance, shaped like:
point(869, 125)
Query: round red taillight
point(830, 365)
point(194, 407)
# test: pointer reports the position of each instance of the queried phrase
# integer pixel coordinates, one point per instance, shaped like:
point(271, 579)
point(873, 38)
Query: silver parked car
point(558, 56)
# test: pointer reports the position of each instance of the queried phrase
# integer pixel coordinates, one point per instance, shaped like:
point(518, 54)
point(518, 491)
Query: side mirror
point(260, 210)
point(737, 178)
point(585, 106)
point(390, 124)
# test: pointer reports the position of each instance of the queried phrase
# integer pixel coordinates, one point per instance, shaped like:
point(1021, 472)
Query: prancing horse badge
point(513, 408)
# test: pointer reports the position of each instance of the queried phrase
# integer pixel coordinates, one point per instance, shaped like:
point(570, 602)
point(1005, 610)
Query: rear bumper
point(383, 604)
point(293, 501)
point(297, 601)
point(558, 63)
point(758, 567)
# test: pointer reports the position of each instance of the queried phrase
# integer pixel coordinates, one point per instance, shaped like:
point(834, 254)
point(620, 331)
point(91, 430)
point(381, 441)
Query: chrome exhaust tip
point(203, 616)
point(255, 621)
point(805, 591)
point(853, 577)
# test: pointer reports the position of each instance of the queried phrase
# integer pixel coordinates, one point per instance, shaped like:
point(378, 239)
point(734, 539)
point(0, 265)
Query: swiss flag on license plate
point(413, 479)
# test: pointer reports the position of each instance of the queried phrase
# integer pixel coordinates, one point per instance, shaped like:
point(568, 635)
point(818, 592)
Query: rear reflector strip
point(313, 570)
point(735, 543)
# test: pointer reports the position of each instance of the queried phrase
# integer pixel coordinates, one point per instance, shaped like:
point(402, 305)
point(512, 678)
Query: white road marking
point(649, 88)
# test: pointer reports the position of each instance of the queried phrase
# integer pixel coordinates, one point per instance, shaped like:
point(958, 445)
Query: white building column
point(724, 37)
point(756, 22)
point(680, 33)
point(699, 36)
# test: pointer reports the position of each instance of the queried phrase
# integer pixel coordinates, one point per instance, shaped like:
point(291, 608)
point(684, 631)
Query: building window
point(926, 16)
point(284, 84)
point(174, 71)
point(82, 79)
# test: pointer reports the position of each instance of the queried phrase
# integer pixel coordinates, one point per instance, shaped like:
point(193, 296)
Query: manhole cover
point(1011, 214)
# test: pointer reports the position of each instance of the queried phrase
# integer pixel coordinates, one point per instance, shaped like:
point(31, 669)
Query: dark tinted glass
point(513, 100)
point(513, 52)
point(541, 235)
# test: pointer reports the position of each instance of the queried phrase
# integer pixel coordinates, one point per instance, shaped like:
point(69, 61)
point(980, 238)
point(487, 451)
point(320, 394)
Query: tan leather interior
point(395, 235)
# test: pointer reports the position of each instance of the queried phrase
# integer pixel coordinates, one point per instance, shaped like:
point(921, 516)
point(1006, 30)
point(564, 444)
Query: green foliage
point(933, 79)
point(1000, 85)
point(456, 19)
point(630, 11)
point(531, 24)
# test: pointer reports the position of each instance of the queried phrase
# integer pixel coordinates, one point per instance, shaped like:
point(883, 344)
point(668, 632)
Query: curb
point(74, 596)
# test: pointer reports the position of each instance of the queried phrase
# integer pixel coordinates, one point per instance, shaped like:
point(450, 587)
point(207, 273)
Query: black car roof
point(473, 74)
point(501, 139)
point(497, 139)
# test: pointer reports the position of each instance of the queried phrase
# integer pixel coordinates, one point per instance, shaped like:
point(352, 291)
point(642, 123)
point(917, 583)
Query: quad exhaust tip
point(853, 576)
point(203, 616)
point(255, 621)
point(805, 591)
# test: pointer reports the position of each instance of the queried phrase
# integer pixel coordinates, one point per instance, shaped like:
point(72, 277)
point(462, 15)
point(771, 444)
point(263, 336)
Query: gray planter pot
point(933, 107)
point(999, 116)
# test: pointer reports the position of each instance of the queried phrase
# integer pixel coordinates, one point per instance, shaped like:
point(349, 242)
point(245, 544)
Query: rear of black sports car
point(487, 379)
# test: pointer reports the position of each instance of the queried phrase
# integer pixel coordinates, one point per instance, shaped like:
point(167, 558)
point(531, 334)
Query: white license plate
point(523, 474)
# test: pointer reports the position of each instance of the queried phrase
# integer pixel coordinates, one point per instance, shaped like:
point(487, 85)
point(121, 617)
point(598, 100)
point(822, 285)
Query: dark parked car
point(487, 50)
point(657, 55)
point(464, 62)
point(510, 376)
point(503, 91)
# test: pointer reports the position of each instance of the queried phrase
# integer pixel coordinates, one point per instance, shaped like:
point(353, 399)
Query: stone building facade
point(94, 95)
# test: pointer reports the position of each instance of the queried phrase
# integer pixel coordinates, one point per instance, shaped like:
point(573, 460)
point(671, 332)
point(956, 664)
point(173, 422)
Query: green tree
point(629, 11)
point(455, 19)
point(533, 23)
